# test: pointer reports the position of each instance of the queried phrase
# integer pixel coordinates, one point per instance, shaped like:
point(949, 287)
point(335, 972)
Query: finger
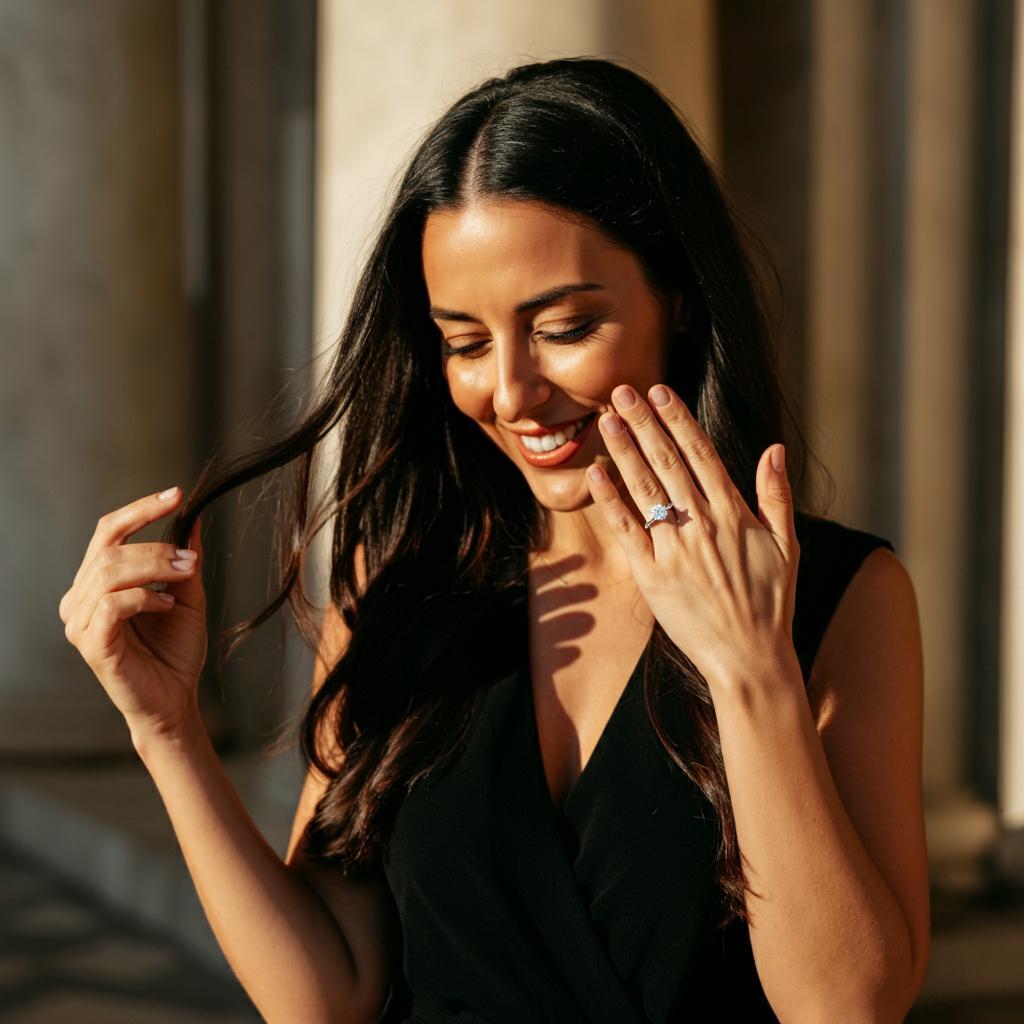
point(114, 574)
point(112, 528)
point(189, 589)
point(643, 486)
point(102, 637)
point(775, 499)
point(630, 534)
point(157, 549)
point(705, 466)
point(117, 526)
point(659, 449)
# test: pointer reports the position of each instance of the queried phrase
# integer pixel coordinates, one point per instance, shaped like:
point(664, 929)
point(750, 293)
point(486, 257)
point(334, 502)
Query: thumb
point(775, 498)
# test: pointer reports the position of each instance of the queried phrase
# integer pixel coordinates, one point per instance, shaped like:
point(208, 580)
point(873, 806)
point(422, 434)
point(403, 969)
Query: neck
point(581, 540)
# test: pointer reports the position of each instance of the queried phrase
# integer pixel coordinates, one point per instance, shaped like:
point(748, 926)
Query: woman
point(581, 747)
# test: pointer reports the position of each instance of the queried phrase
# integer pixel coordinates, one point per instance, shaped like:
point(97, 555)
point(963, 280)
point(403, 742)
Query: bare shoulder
point(867, 694)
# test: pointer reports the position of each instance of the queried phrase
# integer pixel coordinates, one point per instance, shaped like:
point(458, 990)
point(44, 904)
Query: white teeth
point(548, 442)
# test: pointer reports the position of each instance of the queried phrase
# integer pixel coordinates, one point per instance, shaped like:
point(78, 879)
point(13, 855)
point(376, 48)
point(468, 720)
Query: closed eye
point(576, 332)
point(560, 338)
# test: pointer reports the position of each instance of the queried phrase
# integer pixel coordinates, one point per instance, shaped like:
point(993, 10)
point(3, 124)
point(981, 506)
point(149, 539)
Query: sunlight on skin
point(491, 256)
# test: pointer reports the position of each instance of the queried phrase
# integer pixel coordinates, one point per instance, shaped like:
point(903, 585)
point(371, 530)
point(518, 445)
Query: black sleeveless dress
point(513, 911)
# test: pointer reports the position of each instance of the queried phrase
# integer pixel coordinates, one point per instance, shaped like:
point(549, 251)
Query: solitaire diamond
point(657, 513)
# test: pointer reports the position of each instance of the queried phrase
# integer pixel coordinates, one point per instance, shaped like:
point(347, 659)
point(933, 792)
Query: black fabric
point(514, 911)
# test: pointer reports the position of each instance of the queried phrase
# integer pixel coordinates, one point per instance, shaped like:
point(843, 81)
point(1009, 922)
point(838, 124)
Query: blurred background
point(186, 190)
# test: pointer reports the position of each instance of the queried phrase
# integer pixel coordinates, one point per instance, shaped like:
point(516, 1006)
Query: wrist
point(183, 736)
point(773, 676)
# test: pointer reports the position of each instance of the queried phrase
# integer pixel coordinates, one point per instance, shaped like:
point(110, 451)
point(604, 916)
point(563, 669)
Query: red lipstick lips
point(562, 453)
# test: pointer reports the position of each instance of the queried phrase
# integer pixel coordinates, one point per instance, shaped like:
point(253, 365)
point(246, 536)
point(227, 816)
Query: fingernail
point(779, 458)
point(183, 563)
point(186, 553)
point(595, 473)
point(169, 493)
point(168, 598)
point(626, 396)
point(611, 423)
point(659, 395)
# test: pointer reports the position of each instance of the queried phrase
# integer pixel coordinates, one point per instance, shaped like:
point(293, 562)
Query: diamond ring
point(657, 513)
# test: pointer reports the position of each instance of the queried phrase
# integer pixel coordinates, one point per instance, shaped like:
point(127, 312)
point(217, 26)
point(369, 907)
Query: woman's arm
point(828, 810)
point(306, 944)
point(289, 952)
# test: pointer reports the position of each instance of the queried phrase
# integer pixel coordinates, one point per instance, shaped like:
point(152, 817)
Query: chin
point(567, 498)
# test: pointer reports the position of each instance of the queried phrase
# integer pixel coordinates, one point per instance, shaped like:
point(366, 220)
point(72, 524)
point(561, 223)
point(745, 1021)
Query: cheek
point(614, 356)
point(469, 391)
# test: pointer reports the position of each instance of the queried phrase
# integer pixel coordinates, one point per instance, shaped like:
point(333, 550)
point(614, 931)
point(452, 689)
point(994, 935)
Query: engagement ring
point(657, 513)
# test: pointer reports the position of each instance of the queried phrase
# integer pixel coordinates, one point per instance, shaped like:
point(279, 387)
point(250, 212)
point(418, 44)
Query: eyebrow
point(544, 299)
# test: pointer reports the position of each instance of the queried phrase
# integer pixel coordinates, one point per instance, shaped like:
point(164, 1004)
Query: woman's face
point(505, 279)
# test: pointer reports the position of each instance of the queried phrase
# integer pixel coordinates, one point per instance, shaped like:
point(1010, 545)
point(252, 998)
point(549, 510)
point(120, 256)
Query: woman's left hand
point(721, 581)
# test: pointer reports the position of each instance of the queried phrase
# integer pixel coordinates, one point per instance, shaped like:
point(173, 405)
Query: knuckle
point(701, 449)
point(107, 603)
point(734, 510)
point(622, 522)
point(649, 488)
point(665, 459)
point(106, 574)
point(706, 527)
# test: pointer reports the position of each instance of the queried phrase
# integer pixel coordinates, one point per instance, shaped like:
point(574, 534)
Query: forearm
point(830, 940)
point(279, 938)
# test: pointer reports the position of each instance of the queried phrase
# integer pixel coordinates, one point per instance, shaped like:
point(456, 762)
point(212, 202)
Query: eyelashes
point(575, 336)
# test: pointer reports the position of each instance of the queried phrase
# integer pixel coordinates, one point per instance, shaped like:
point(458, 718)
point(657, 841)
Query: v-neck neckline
point(586, 771)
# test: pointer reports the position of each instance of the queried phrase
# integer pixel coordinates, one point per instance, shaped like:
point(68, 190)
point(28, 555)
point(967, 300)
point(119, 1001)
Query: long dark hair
point(417, 484)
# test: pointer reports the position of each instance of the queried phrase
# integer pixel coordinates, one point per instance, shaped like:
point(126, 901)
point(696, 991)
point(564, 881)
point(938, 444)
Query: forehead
point(520, 246)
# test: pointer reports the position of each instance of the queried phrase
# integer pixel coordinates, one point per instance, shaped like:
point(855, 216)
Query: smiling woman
point(531, 367)
point(572, 753)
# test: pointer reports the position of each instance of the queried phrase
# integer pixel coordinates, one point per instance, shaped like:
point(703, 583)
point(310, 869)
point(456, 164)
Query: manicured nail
point(778, 458)
point(660, 395)
point(168, 494)
point(626, 396)
point(183, 564)
point(611, 424)
point(596, 473)
point(186, 553)
point(167, 598)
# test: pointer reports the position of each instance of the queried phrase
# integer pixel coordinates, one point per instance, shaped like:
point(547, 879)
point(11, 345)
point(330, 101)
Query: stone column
point(95, 396)
point(934, 434)
point(1011, 740)
point(843, 232)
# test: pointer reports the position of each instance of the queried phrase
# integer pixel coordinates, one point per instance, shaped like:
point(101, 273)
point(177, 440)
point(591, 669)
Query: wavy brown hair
point(444, 518)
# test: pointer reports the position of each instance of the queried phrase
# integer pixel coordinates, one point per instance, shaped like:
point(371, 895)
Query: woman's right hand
point(146, 651)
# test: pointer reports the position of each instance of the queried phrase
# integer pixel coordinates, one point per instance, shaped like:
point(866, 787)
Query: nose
point(519, 385)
